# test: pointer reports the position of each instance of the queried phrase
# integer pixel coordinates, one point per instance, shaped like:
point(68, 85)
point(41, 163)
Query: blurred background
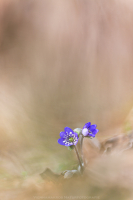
point(62, 63)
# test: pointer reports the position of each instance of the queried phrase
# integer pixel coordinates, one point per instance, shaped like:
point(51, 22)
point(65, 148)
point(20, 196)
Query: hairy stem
point(81, 145)
point(80, 163)
point(81, 148)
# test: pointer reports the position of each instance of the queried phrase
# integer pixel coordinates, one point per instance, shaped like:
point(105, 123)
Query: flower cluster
point(70, 137)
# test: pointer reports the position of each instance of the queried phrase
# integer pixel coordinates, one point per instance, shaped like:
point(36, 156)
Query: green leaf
point(71, 147)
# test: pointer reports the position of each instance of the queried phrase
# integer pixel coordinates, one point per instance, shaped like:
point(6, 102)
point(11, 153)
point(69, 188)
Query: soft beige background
point(62, 63)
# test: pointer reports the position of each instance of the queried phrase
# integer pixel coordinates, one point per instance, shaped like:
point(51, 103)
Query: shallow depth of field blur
point(64, 63)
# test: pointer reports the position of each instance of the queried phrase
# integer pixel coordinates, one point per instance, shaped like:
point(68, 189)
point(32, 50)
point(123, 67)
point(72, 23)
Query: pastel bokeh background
point(62, 63)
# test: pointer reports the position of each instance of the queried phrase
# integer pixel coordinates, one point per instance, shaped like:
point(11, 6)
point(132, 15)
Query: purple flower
point(89, 130)
point(68, 137)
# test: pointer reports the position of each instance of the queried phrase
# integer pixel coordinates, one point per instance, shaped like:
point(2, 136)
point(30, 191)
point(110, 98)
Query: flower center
point(71, 139)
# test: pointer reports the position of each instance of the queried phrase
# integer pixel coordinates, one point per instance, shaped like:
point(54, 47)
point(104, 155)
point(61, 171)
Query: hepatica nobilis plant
point(70, 138)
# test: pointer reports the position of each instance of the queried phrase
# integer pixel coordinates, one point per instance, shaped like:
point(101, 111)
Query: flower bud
point(78, 131)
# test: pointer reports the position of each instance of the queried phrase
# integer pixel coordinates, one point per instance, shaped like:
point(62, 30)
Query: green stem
point(80, 163)
point(81, 148)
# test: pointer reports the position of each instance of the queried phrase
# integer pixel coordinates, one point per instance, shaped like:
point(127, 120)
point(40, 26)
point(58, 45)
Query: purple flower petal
point(94, 132)
point(91, 135)
point(68, 130)
point(93, 127)
point(62, 134)
point(60, 141)
point(87, 125)
point(76, 135)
